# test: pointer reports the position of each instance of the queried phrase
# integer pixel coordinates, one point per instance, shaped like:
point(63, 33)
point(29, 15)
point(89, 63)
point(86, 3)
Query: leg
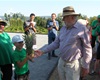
point(93, 41)
point(23, 76)
point(69, 71)
point(49, 56)
point(34, 39)
point(49, 42)
point(53, 52)
point(73, 70)
point(7, 72)
point(61, 71)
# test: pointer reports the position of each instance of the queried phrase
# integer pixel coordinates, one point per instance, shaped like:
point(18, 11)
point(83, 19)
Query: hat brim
point(20, 40)
point(70, 14)
point(3, 23)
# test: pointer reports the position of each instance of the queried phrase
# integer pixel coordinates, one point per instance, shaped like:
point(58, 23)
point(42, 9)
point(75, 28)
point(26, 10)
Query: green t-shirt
point(94, 26)
point(98, 29)
point(6, 49)
point(20, 56)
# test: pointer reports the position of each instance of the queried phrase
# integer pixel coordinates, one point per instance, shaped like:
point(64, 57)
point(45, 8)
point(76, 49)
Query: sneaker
point(54, 56)
point(93, 73)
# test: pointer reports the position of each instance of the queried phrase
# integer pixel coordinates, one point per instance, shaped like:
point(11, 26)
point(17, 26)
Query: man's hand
point(54, 23)
point(38, 53)
point(31, 24)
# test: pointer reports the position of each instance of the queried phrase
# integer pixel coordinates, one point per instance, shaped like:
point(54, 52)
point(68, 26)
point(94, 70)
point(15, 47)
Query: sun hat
point(98, 16)
point(69, 10)
point(17, 38)
point(3, 22)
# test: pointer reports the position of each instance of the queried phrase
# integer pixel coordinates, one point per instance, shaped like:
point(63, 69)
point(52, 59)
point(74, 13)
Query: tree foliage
point(16, 20)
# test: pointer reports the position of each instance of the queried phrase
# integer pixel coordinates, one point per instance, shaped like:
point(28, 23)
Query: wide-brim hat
point(69, 11)
point(3, 22)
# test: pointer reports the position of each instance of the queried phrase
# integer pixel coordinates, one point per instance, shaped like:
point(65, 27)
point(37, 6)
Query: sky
point(89, 8)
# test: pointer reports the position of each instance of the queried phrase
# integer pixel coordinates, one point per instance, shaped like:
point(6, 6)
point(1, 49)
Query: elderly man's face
point(68, 20)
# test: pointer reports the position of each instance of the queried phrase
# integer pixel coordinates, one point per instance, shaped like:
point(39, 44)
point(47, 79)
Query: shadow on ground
point(42, 68)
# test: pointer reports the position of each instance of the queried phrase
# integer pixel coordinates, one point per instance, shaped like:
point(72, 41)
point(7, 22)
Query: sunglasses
point(20, 42)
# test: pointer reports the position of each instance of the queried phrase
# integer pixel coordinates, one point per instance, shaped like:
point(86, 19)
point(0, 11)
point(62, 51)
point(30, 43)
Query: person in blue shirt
point(53, 27)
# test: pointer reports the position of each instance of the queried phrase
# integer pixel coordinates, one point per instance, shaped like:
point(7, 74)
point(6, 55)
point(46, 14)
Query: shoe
point(54, 55)
point(93, 73)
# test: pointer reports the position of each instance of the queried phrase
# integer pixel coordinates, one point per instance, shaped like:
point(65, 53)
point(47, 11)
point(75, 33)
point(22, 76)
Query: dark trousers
point(50, 40)
point(93, 41)
point(98, 52)
point(7, 71)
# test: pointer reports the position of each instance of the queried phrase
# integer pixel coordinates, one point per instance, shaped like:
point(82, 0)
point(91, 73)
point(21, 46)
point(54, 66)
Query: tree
point(59, 18)
point(6, 16)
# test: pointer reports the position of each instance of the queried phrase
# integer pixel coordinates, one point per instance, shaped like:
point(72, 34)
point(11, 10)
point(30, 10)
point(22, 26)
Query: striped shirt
point(73, 44)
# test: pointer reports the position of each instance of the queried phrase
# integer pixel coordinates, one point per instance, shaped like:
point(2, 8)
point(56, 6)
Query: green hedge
point(40, 30)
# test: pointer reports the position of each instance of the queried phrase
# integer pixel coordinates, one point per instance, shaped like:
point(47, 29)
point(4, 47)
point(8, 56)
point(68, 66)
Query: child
point(20, 59)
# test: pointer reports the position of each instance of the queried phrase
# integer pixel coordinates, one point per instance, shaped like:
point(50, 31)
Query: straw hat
point(3, 22)
point(69, 11)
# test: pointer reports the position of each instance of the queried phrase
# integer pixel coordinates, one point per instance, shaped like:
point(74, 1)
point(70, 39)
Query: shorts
point(22, 77)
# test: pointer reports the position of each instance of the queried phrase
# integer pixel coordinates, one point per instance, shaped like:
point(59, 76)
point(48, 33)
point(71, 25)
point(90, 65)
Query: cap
point(17, 38)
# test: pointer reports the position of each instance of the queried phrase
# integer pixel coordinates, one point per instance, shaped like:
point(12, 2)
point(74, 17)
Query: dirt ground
point(54, 75)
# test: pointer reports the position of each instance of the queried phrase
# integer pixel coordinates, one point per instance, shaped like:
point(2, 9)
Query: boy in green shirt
point(20, 59)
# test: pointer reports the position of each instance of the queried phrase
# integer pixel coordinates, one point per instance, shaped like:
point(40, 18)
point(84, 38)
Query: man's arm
point(26, 28)
point(33, 27)
point(86, 52)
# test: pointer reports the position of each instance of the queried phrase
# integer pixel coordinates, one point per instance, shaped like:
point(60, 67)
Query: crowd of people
point(75, 41)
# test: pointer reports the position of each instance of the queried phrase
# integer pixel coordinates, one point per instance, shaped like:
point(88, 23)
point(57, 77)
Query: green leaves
point(29, 39)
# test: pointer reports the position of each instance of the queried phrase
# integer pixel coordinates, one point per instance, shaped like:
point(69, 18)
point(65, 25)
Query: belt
point(67, 61)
